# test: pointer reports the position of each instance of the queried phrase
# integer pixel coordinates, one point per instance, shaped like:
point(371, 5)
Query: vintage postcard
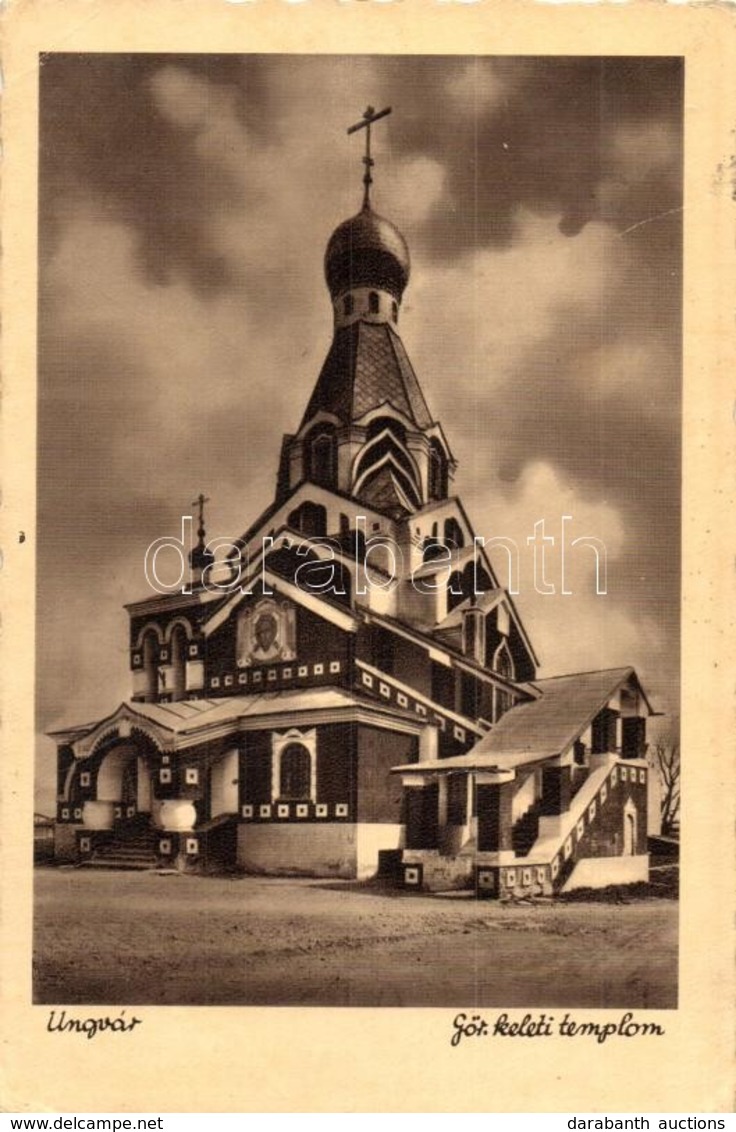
point(367, 501)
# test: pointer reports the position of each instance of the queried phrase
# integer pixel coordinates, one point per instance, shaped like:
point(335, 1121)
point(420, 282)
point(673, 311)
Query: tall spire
point(370, 116)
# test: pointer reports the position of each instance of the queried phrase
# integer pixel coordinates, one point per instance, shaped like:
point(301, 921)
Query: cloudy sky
point(185, 205)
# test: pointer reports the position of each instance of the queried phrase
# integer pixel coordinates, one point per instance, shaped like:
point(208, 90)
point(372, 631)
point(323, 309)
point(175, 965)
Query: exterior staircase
point(525, 831)
point(134, 846)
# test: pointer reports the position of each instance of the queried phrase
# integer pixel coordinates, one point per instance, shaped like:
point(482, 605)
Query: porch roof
point(188, 717)
point(539, 729)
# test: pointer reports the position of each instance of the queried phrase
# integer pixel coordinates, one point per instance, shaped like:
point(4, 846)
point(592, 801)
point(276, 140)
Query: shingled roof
point(366, 367)
point(539, 729)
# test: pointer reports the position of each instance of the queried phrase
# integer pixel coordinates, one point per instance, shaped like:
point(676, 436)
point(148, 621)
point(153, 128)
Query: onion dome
point(367, 251)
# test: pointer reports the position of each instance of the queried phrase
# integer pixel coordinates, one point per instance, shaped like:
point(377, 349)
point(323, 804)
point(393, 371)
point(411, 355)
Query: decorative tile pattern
point(192, 846)
point(402, 700)
point(302, 810)
point(568, 849)
point(85, 844)
point(247, 811)
point(320, 810)
point(164, 775)
point(592, 809)
point(85, 778)
point(412, 875)
point(510, 878)
point(341, 810)
point(191, 776)
point(264, 811)
point(282, 810)
point(334, 666)
point(580, 829)
point(164, 846)
point(642, 776)
point(319, 669)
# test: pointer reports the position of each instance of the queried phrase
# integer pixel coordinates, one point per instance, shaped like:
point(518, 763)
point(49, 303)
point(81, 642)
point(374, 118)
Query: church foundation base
point(599, 872)
point(428, 869)
point(327, 850)
point(65, 843)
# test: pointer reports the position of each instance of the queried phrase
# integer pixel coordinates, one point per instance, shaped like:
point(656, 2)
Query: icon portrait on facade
point(266, 633)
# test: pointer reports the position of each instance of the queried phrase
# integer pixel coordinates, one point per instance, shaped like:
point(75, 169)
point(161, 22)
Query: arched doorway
point(124, 780)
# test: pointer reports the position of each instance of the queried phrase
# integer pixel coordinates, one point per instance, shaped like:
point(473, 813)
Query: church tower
point(367, 431)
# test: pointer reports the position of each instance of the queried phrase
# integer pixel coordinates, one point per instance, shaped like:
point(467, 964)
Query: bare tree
point(665, 757)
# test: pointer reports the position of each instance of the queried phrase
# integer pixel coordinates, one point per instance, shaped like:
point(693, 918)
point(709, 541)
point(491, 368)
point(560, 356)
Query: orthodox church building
point(354, 693)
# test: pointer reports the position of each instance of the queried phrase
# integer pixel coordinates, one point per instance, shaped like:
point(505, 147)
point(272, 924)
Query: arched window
point(295, 772)
point(348, 304)
point(437, 471)
point(503, 664)
point(454, 534)
point(373, 302)
point(309, 519)
point(454, 590)
point(179, 663)
point(320, 455)
point(150, 665)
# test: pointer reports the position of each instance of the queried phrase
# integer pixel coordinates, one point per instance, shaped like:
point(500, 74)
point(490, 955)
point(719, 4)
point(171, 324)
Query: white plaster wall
point(313, 849)
point(654, 802)
point(523, 799)
point(224, 785)
point(370, 837)
point(194, 675)
point(597, 872)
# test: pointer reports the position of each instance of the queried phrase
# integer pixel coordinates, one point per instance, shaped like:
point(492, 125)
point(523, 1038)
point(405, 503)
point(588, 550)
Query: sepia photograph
point(358, 537)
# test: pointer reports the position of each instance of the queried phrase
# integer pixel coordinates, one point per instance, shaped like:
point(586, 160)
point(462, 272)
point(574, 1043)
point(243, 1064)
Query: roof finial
point(200, 557)
point(365, 123)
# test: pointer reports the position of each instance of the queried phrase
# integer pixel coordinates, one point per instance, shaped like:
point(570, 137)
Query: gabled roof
point(367, 366)
point(542, 728)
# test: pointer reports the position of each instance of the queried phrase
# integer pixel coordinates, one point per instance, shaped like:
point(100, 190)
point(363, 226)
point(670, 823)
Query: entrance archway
point(124, 779)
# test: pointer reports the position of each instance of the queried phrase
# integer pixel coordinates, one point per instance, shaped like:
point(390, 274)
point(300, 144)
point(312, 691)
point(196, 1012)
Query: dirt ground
point(143, 938)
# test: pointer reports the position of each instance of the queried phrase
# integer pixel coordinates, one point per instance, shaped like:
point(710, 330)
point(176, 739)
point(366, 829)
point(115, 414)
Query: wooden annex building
point(362, 696)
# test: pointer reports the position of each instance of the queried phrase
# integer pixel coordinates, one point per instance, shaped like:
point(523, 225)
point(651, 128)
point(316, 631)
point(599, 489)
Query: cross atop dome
point(369, 117)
